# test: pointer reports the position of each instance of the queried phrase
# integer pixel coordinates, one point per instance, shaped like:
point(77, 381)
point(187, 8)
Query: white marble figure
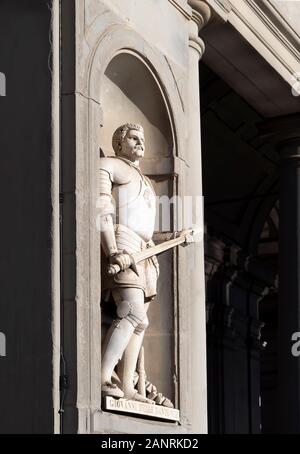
point(129, 196)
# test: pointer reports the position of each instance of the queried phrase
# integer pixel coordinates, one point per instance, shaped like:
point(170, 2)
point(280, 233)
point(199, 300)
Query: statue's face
point(133, 145)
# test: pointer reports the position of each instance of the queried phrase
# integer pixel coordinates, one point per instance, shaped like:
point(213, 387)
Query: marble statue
point(128, 206)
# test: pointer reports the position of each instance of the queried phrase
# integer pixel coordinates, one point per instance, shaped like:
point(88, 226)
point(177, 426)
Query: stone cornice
point(278, 22)
point(263, 27)
point(265, 17)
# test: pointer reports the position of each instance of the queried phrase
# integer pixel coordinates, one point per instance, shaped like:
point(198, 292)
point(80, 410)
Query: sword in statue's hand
point(185, 237)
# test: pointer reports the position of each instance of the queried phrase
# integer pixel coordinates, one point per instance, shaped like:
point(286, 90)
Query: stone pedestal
point(141, 409)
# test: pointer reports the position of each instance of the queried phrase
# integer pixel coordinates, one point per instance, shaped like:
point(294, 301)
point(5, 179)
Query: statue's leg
point(131, 313)
point(128, 364)
point(117, 339)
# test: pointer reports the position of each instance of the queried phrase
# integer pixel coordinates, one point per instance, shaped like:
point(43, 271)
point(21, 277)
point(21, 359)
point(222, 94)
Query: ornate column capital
point(197, 43)
point(201, 12)
point(201, 15)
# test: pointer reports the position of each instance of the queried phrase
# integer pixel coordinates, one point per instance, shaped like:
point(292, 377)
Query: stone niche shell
point(131, 94)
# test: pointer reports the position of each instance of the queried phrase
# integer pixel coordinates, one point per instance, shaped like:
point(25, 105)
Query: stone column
point(200, 16)
point(286, 132)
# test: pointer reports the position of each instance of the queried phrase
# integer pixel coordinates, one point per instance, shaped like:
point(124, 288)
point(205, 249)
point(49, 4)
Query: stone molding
point(201, 12)
point(182, 7)
point(278, 23)
point(197, 43)
point(265, 30)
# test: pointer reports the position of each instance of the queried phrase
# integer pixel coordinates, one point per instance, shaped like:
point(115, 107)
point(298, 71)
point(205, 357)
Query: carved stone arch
point(131, 92)
point(119, 39)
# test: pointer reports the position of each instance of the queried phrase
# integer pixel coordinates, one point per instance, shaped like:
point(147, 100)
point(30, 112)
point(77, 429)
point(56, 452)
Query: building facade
point(215, 85)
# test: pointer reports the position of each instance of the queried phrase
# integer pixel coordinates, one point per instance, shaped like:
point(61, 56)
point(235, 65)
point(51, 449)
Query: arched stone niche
point(168, 336)
point(131, 93)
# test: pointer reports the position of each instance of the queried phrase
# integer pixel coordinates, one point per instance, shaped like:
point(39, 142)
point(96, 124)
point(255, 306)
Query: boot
point(127, 369)
point(117, 339)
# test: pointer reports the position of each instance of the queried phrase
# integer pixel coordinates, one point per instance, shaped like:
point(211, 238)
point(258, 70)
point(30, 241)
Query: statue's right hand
point(123, 260)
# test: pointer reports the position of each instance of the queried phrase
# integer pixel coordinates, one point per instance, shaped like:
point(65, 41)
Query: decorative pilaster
point(200, 16)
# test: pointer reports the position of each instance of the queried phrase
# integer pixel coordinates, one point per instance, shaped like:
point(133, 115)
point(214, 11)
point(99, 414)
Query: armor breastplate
point(135, 204)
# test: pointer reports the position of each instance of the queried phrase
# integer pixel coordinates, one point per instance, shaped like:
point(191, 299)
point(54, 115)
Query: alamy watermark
point(296, 346)
point(2, 344)
point(172, 213)
point(2, 84)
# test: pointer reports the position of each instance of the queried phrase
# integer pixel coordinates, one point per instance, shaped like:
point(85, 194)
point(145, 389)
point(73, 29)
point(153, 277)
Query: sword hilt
point(112, 270)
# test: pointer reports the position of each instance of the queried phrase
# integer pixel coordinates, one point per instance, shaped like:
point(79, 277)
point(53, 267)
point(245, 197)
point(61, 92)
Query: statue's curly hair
point(120, 134)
